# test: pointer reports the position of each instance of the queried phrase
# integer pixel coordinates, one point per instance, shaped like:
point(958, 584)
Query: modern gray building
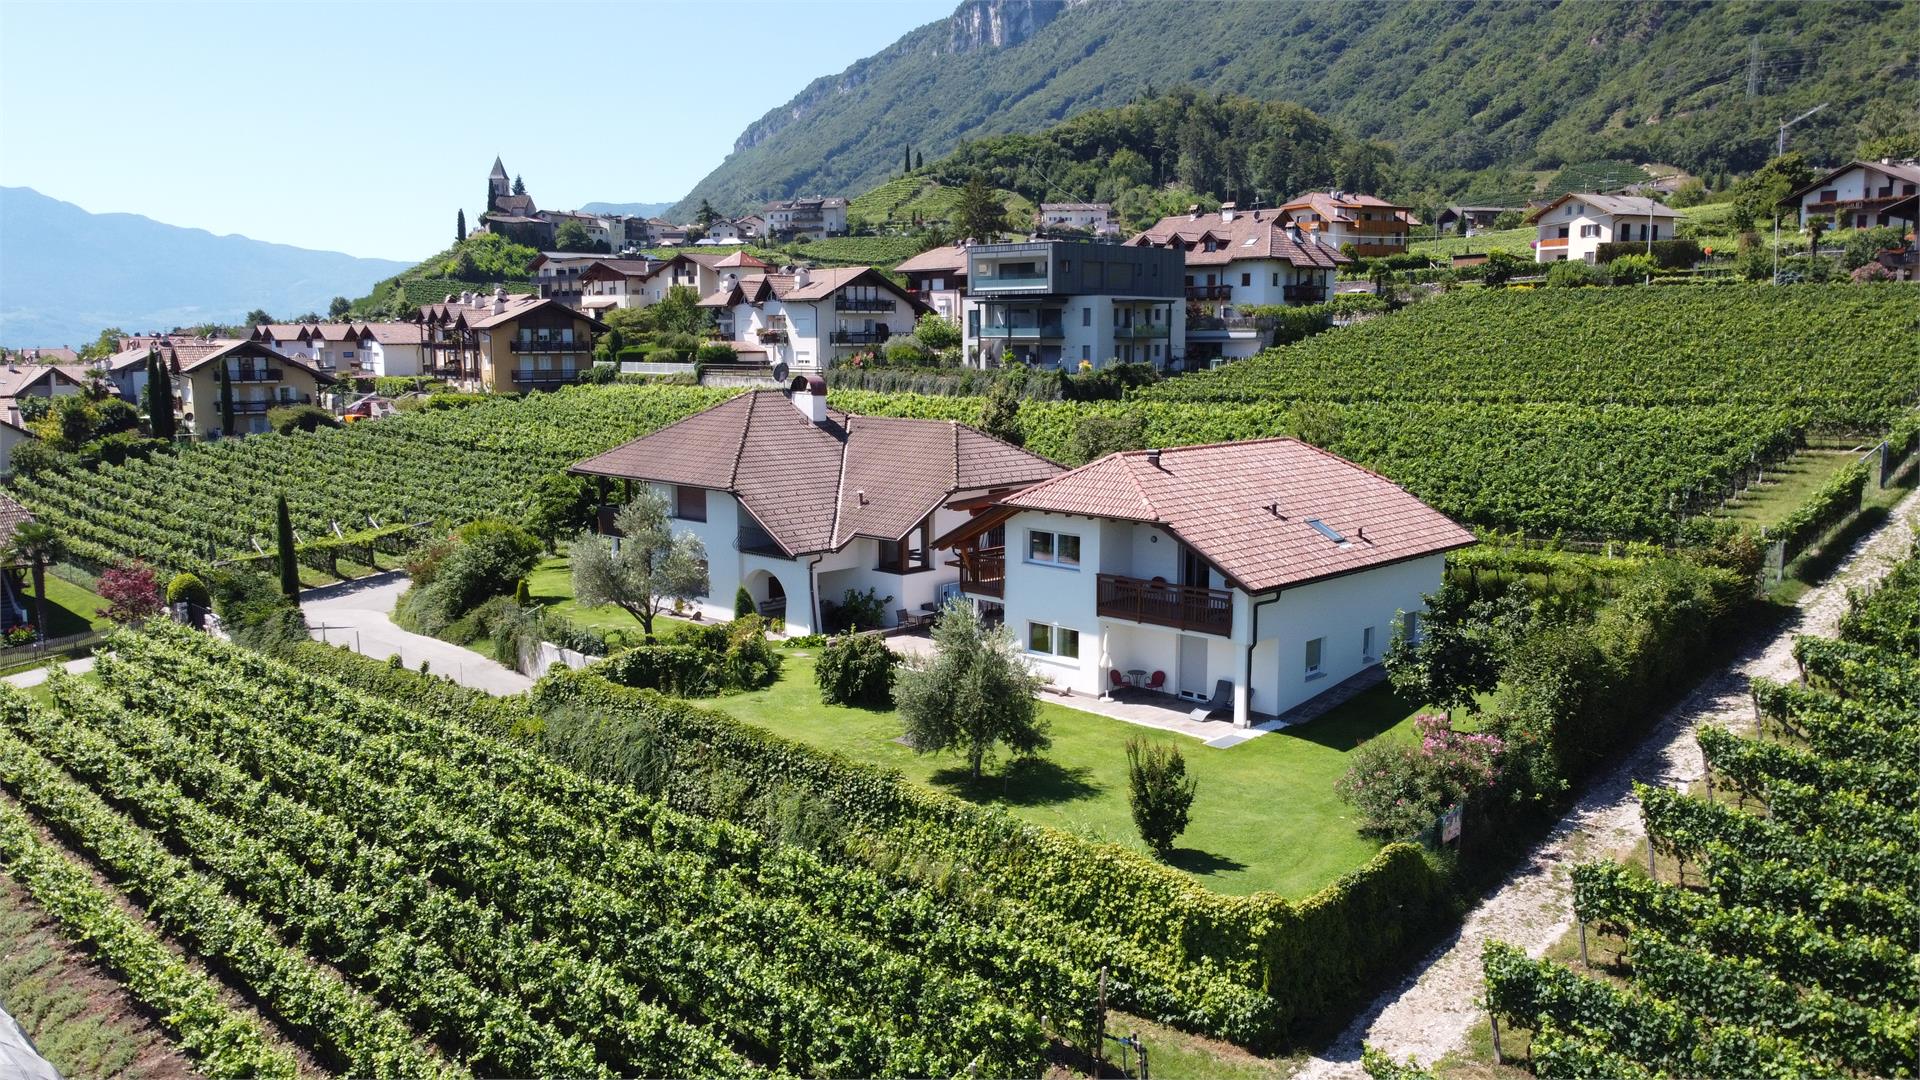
point(1074, 304)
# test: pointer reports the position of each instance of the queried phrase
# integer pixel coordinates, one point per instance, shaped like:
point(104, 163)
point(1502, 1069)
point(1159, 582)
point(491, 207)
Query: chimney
point(809, 394)
point(1153, 458)
point(1226, 211)
point(1193, 211)
point(801, 277)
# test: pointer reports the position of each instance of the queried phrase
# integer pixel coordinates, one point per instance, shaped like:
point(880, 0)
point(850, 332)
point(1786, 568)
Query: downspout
point(1253, 640)
point(813, 593)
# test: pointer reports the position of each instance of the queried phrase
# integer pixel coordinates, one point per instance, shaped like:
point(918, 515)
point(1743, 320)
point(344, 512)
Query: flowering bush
point(1399, 788)
point(131, 591)
point(20, 635)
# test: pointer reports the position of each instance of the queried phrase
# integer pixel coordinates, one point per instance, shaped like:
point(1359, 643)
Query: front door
point(1193, 667)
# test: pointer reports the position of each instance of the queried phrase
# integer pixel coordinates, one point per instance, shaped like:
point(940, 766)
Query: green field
point(1265, 817)
point(551, 585)
point(71, 609)
point(1786, 487)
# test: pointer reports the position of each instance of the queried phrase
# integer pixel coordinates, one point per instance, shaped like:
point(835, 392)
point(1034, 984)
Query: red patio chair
point(1116, 681)
point(1157, 681)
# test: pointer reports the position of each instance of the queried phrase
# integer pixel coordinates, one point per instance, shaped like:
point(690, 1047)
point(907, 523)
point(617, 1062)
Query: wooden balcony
point(1209, 292)
point(1305, 294)
point(1183, 607)
point(983, 571)
point(1554, 242)
point(548, 345)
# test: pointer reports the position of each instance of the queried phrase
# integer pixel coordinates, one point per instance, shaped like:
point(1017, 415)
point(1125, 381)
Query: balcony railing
point(1554, 242)
point(1305, 294)
point(544, 379)
point(983, 570)
point(1141, 330)
point(1209, 292)
point(548, 345)
point(251, 375)
point(772, 336)
point(257, 408)
point(863, 303)
point(1043, 330)
point(1010, 281)
point(1184, 607)
point(860, 337)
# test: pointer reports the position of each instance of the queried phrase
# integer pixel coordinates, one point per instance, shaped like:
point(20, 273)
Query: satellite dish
point(780, 372)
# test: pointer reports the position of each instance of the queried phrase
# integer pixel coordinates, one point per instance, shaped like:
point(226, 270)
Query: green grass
point(1514, 241)
point(551, 584)
point(1787, 486)
point(1265, 817)
point(77, 1017)
point(71, 609)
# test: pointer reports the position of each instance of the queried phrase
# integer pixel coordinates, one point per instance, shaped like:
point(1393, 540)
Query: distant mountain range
point(66, 274)
point(1457, 89)
point(627, 209)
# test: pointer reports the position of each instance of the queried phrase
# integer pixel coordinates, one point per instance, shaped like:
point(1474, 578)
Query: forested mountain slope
point(1454, 87)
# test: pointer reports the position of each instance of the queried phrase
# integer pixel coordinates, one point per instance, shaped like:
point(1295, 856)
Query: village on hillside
point(1173, 622)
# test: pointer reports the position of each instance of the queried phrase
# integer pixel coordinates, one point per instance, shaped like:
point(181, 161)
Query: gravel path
point(356, 615)
point(1430, 1013)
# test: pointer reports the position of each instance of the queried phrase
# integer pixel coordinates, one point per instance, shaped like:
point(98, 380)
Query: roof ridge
point(954, 425)
point(746, 429)
point(840, 483)
point(1142, 492)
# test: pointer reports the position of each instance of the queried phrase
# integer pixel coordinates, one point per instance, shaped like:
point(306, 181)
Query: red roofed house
point(1372, 225)
point(1239, 259)
point(1258, 573)
point(503, 343)
point(801, 503)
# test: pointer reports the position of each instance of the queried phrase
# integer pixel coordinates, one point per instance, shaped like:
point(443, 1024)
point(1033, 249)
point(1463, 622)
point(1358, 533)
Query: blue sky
point(362, 127)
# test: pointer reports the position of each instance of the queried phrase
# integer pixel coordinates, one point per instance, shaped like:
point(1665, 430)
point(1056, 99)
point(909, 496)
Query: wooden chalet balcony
point(1305, 294)
point(548, 345)
point(772, 336)
point(1209, 292)
point(1554, 242)
point(252, 375)
point(1184, 607)
point(983, 571)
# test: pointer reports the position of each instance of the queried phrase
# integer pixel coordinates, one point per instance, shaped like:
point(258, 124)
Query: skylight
point(1327, 531)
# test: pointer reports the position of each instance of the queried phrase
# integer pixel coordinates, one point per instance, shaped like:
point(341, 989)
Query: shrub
point(857, 670)
point(1572, 273)
point(1399, 789)
point(1666, 254)
point(743, 603)
point(1630, 269)
point(936, 333)
point(131, 591)
point(1159, 791)
point(743, 659)
point(254, 612)
point(188, 589)
point(906, 352)
point(700, 662)
point(858, 611)
point(482, 559)
point(715, 352)
point(1098, 435)
point(287, 419)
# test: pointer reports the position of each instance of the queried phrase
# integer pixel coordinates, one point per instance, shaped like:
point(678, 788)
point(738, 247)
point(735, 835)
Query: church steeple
point(497, 183)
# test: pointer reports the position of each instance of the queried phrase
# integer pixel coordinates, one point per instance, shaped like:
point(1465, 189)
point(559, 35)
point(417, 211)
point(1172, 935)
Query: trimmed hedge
point(1831, 503)
point(1667, 254)
point(1311, 956)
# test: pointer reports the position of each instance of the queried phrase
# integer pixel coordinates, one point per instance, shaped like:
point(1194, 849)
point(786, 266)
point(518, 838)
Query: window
point(1276, 279)
point(1057, 549)
point(1246, 279)
point(1314, 649)
point(689, 503)
point(1589, 230)
point(1829, 195)
point(1086, 352)
point(1366, 644)
point(1049, 640)
point(1410, 625)
point(1086, 316)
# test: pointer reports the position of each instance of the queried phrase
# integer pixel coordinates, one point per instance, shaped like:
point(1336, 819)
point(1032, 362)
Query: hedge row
point(1831, 503)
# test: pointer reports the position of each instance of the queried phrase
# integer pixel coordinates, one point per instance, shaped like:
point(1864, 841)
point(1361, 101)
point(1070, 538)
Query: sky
point(362, 127)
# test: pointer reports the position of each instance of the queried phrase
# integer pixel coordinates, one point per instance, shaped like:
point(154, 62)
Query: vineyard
point(403, 895)
point(1789, 949)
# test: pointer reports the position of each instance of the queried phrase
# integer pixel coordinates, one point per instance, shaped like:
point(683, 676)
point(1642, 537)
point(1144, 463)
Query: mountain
point(628, 209)
point(66, 274)
point(1455, 88)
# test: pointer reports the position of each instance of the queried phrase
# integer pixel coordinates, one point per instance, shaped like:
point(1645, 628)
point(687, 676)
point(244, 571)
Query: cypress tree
point(917, 160)
point(459, 225)
point(159, 397)
point(907, 164)
point(283, 550)
point(226, 400)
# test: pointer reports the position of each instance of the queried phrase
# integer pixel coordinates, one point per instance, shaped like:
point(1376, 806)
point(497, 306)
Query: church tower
point(498, 186)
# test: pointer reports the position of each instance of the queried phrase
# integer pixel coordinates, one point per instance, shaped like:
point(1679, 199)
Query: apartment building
point(810, 217)
point(811, 319)
point(1093, 218)
point(505, 343)
point(1068, 304)
point(937, 277)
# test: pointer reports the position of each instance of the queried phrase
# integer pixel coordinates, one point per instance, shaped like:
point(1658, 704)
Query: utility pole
point(1753, 67)
point(1779, 149)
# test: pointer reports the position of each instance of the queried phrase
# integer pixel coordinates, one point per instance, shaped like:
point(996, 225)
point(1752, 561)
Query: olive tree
point(974, 693)
point(646, 570)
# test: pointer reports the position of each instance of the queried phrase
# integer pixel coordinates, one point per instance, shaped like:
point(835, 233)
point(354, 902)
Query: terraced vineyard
point(216, 501)
point(406, 896)
point(1789, 948)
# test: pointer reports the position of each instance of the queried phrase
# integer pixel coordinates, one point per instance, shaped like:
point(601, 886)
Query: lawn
point(71, 609)
point(551, 584)
point(1265, 816)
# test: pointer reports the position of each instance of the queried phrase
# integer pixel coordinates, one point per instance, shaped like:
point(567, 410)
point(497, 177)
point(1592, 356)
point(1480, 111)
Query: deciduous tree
point(1159, 791)
point(974, 694)
point(652, 568)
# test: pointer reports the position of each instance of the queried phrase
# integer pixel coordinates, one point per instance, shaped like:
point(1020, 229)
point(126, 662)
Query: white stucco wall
point(1337, 610)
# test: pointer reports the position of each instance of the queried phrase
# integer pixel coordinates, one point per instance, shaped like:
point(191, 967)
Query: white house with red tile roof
point(1269, 570)
point(1371, 224)
point(1861, 195)
point(1574, 225)
point(800, 503)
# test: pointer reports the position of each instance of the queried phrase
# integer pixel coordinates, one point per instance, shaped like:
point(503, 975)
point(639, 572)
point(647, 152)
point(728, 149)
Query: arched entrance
point(769, 596)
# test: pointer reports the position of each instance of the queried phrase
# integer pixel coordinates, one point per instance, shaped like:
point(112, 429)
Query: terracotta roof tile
point(950, 257)
point(1253, 234)
point(1217, 500)
point(12, 516)
point(805, 482)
